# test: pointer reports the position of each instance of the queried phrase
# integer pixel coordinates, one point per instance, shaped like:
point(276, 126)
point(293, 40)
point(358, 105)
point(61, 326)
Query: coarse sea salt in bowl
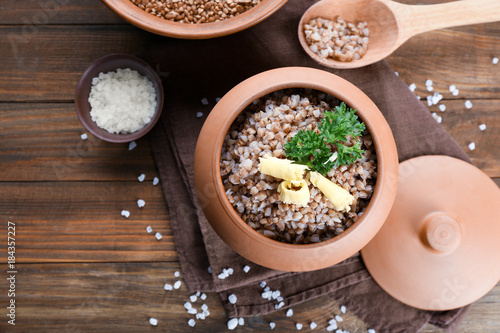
point(119, 98)
point(242, 199)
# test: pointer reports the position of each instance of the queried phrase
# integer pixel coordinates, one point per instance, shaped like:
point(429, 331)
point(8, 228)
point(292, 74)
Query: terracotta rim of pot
point(237, 233)
point(149, 22)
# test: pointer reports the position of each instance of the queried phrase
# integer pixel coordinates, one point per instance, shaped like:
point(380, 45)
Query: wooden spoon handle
point(416, 19)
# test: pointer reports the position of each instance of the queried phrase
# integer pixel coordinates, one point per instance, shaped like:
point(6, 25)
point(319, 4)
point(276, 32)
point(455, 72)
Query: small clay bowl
point(236, 232)
point(107, 64)
point(149, 22)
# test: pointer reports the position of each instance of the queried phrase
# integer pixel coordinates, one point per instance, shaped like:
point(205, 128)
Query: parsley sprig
point(314, 148)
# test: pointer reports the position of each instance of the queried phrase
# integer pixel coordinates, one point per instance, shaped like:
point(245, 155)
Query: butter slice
point(294, 192)
point(338, 196)
point(281, 168)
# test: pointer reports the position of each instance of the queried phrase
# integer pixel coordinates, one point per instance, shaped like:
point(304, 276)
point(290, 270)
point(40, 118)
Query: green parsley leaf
point(312, 149)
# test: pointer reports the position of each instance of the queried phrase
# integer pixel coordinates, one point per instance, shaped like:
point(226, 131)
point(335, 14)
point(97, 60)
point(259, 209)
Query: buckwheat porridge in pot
point(298, 166)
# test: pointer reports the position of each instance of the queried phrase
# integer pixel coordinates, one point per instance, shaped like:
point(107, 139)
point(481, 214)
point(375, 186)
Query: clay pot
point(237, 233)
point(149, 22)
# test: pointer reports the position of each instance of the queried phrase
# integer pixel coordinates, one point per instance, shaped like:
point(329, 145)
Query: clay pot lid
point(439, 248)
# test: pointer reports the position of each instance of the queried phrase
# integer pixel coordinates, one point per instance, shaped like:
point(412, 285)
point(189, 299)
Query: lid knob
point(443, 233)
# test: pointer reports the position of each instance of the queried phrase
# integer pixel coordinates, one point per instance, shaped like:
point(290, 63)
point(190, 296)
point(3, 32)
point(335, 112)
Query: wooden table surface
point(81, 266)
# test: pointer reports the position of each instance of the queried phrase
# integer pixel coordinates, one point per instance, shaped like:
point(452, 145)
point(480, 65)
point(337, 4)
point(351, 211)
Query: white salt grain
point(141, 203)
point(198, 294)
point(210, 269)
point(430, 88)
point(158, 236)
point(203, 296)
point(192, 311)
point(122, 101)
point(482, 127)
point(168, 286)
point(428, 83)
point(246, 269)
point(272, 325)
point(371, 330)
point(232, 323)
point(132, 145)
point(332, 322)
point(468, 104)
point(199, 114)
point(494, 61)
point(188, 305)
point(84, 136)
point(191, 322)
point(193, 298)
point(442, 107)
point(343, 309)
point(241, 321)
point(155, 181)
point(149, 229)
point(177, 284)
point(412, 87)
point(125, 213)
point(289, 313)
point(153, 321)
point(232, 299)
point(455, 92)
point(439, 119)
point(263, 284)
point(472, 146)
point(298, 326)
point(141, 177)
point(177, 274)
point(204, 307)
point(397, 74)
point(452, 88)
point(313, 325)
point(204, 101)
point(331, 328)
point(338, 318)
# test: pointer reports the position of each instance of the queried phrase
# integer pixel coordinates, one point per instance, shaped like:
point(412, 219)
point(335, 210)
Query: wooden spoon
point(392, 23)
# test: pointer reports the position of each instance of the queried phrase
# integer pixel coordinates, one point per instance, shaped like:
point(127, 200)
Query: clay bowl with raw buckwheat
point(296, 169)
point(194, 19)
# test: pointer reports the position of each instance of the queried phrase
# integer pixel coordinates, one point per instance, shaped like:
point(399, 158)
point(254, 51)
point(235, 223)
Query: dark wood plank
point(40, 142)
point(81, 221)
point(46, 12)
point(45, 63)
point(119, 297)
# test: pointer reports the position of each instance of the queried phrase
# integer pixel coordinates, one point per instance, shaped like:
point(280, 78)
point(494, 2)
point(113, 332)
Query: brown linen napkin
point(195, 74)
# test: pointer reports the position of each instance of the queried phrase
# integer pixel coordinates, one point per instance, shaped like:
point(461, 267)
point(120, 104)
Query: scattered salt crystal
point(141, 203)
point(332, 322)
point(280, 305)
point(125, 213)
point(275, 294)
point(167, 286)
point(203, 296)
point(452, 88)
point(84, 136)
point(455, 92)
point(198, 294)
point(263, 284)
point(468, 104)
point(494, 61)
point(204, 307)
point(141, 177)
point(222, 276)
point(338, 318)
point(267, 295)
point(192, 311)
point(434, 115)
point(153, 321)
point(230, 271)
point(279, 298)
point(331, 328)
point(472, 146)
point(177, 274)
point(397, 74)
point(199, 114)
point(200, 316)
point(343, 309)
point(188, 305)
point(430, 88)
point(241, 321)
point(193, 298)
point(210, 269)
point(428, 83)
point(232, 299)
point(412, 87)
point(232, 323)
point(371, 330)
point(204, 101)
point(482, 127)
point(206, 313)
point(439, 119)
point(155, 181)
point(272, 325)
point(339, 331)
point(298, 326)
point(442, 107)
point(191, 322)
point(217, 99)
point(246, 269)
point(429, 100)
point(158, 236)
point(177, 284)
point(132, 145)
point(313, 325)
point(149, 229)
point(436, 98)
point(289, 313)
